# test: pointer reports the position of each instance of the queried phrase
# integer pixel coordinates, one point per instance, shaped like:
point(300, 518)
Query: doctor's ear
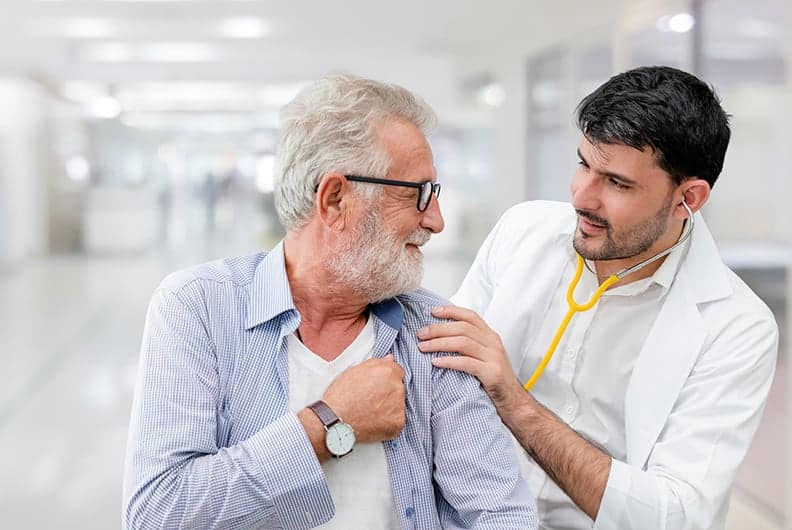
point(694, 192)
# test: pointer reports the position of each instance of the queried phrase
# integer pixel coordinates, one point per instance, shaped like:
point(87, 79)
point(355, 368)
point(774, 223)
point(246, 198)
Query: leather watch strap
point(324, 413)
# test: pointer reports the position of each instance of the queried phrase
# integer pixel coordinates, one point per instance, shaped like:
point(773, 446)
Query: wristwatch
point(339, 436)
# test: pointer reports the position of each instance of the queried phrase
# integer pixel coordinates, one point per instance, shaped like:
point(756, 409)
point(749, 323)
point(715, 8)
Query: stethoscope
point(575, 307)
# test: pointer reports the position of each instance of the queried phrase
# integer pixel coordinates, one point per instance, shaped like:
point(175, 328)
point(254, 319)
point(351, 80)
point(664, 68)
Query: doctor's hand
point(481, 353)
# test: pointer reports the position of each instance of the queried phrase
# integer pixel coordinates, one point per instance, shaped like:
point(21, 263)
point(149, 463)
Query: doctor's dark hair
point(672, 112)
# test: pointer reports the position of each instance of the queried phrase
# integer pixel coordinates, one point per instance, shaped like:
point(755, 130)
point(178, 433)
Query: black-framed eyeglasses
point(426, 189)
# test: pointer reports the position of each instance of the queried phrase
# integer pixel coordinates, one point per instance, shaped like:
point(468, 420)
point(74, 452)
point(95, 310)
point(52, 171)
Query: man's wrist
point(514, 401)
point(339, 436)
point(523, 415)
point(315, 431)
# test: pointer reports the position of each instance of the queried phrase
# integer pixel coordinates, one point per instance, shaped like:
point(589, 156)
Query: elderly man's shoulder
point(418, 305)
point(237, 271)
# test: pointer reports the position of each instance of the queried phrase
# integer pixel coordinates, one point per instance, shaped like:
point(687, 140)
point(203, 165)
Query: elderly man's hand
point(370, 397)
point(481, 353)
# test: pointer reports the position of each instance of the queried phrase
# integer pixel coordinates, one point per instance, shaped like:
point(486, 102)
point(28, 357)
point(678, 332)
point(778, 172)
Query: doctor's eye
point(618, 185)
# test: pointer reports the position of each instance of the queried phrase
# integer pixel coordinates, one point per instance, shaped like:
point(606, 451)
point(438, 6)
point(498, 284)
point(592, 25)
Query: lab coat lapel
point(521, 325)
point(665, 361)
point(673, 345)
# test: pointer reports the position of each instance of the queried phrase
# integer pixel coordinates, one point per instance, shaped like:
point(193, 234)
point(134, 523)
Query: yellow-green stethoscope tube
point(574, 307)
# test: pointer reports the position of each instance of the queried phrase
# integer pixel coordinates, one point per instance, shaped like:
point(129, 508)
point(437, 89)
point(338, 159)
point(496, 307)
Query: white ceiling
point(243, 55)
point(288, 40)
point(252, 55)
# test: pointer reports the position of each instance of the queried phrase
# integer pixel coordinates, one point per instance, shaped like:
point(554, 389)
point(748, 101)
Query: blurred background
point(136, 137)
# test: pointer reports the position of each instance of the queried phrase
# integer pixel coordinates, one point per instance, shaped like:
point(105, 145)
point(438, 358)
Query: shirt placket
point(570, 349)
point(565, 359)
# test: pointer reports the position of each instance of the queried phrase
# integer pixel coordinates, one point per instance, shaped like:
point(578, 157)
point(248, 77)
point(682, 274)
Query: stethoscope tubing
point(575, 307)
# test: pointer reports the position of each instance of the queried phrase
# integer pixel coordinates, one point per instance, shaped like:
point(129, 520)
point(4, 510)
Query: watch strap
point(324, 413)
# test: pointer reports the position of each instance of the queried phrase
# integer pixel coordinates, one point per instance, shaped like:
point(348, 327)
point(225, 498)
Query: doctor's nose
point(585, 191)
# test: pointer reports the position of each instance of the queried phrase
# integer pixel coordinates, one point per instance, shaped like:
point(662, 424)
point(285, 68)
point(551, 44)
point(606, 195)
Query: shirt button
point(570, 354)
point(410, 511)
point(570, 409)
point(394, 444)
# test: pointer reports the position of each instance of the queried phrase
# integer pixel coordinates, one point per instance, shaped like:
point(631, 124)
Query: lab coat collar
point(705, 277)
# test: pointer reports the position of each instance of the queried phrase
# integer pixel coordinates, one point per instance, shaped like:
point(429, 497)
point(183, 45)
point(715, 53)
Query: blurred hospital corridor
point(137, 138)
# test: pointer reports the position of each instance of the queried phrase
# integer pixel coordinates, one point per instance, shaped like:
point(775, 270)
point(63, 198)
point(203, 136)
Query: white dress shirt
point(585, 382)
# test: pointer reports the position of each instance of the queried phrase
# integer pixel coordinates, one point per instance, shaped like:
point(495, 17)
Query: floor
point(70, 334)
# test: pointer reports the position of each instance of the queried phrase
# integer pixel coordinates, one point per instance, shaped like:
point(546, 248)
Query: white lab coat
point(698, 387)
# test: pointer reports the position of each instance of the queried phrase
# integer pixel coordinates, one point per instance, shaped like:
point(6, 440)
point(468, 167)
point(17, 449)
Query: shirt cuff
point(612, 506)
point(291, 474)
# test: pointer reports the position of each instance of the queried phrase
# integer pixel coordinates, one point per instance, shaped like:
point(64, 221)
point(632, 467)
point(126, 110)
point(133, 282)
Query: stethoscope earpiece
point(689, 211)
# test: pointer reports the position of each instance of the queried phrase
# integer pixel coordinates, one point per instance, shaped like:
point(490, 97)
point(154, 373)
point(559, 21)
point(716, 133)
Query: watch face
point(340, 438)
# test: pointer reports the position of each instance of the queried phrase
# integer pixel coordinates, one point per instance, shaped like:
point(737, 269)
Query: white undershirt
point(586, 380)
point(359, 482)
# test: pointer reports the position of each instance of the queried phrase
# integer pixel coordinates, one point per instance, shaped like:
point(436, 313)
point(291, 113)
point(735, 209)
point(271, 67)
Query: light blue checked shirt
point(212, 443)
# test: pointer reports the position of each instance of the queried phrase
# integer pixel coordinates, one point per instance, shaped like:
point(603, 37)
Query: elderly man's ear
point(333, 201)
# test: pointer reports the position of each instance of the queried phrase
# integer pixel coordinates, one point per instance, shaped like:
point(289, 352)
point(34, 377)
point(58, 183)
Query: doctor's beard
point(626, 243)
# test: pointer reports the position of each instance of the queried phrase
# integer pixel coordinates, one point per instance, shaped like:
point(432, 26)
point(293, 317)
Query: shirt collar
point(390, 312)
point(270, 294)
point(664, 276)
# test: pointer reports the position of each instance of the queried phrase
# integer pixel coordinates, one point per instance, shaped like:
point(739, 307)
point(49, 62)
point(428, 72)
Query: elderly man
point(260, 374)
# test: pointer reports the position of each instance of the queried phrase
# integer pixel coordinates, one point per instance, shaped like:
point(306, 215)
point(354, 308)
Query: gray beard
point(374, 265)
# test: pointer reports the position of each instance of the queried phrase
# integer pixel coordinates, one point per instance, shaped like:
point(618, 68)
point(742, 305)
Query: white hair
point(331, 126)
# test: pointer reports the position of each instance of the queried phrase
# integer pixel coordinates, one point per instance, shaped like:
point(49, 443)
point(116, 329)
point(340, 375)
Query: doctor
point(643, 416)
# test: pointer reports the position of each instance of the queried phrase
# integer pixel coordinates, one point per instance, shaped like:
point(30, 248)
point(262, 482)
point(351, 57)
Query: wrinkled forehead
point(408, 150)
